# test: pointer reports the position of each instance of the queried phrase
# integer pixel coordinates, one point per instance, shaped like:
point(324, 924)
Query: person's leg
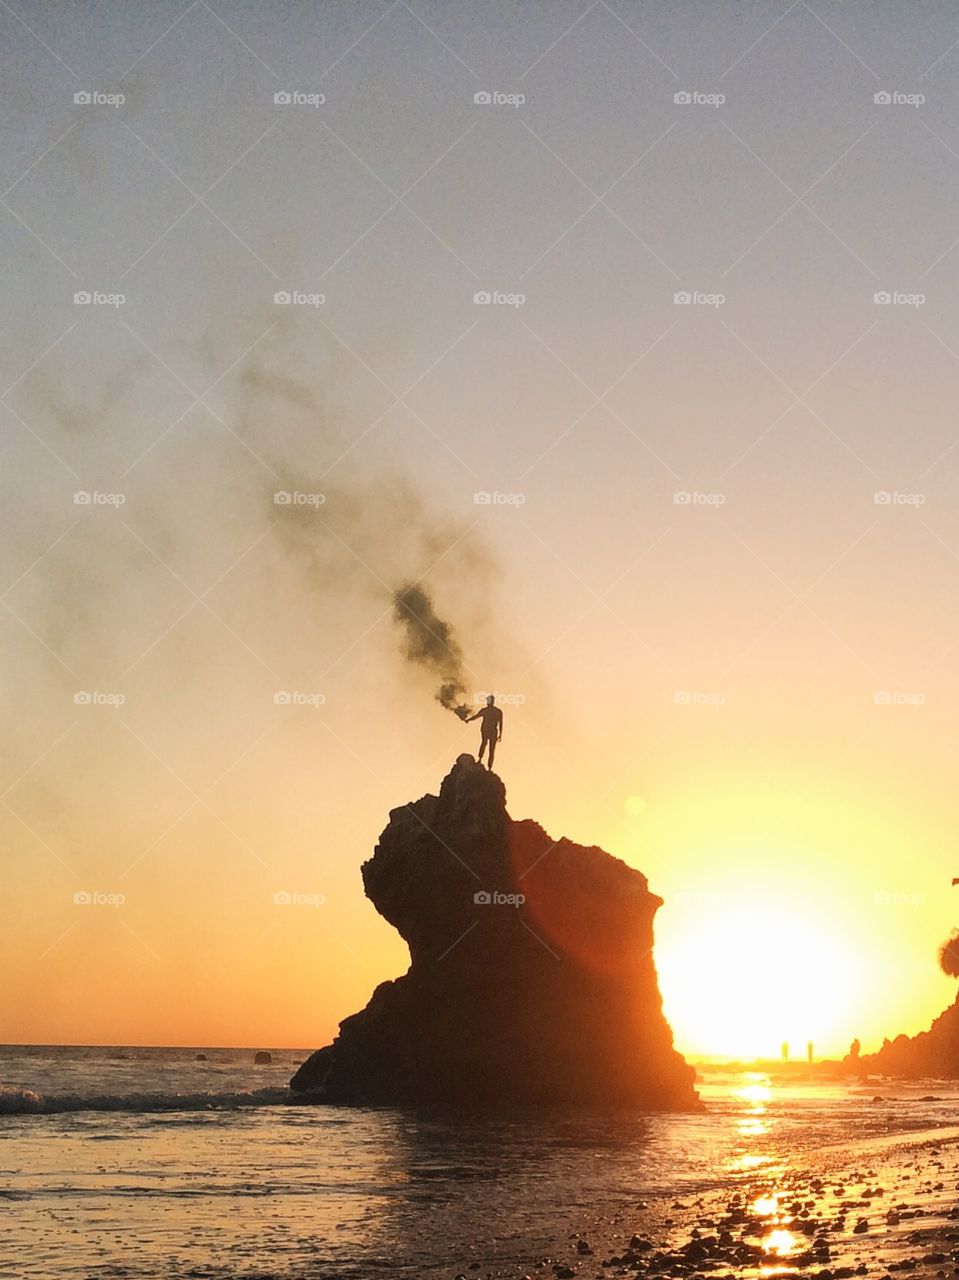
point(482, 749)
point(492, 751)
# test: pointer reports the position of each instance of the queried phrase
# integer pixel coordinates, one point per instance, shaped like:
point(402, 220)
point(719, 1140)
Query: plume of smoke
point(949, 956)
point(429, 642)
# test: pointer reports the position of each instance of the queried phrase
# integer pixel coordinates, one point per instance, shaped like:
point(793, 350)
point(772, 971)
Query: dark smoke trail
point(430, 643)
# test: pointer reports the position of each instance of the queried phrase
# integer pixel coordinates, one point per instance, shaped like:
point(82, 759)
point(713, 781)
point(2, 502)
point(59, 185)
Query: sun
point(741, 983)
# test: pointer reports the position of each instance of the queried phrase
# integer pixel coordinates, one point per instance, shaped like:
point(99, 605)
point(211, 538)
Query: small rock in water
point(262, 1058)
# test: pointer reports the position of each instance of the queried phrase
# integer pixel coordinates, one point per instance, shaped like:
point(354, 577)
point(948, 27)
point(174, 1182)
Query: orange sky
point(718, 582)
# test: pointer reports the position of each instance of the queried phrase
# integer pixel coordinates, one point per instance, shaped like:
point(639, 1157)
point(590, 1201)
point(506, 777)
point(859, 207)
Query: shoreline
point(887, 1205)
point(829, 1183)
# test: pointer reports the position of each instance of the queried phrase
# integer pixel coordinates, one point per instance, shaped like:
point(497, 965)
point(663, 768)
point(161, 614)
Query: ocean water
point(146, 1163)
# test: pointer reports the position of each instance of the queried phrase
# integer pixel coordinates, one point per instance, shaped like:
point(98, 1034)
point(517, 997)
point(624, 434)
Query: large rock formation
point(930, 1053)
point(532, 975)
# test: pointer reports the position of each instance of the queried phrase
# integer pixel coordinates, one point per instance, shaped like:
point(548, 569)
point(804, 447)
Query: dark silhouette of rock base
point(550, 999)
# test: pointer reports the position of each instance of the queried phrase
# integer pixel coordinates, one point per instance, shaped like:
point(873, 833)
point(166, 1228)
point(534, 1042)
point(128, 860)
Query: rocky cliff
point(930, 1053)
point(532, 975)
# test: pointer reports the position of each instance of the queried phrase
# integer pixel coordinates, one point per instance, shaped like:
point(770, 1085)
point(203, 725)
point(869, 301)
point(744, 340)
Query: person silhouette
point(491, 730)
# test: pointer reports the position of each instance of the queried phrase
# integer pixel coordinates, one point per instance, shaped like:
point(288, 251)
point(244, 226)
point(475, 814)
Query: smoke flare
point(430, 643)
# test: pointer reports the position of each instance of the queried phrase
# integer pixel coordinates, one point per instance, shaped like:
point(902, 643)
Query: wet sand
point(890, 1207)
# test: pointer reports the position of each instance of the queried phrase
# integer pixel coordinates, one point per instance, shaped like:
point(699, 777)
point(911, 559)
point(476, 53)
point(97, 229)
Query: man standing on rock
point(491, 730)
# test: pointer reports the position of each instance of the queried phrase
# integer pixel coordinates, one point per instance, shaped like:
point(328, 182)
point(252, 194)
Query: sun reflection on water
point(753, 1122)
point(745, 1164)
point(765, 1206)
point(780, 1242)
point(756, 1093)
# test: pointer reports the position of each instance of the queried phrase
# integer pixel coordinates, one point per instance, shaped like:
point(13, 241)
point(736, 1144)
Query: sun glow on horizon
point(752, 978)
point(793, 911)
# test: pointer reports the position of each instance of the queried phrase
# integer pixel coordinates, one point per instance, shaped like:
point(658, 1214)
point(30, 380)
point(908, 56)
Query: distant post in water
point(784, 1050)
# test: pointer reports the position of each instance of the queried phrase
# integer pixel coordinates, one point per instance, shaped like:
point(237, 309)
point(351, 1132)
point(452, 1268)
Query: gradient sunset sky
point(712, 401)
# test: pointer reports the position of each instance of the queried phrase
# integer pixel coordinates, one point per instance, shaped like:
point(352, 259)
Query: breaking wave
point(16, 1101)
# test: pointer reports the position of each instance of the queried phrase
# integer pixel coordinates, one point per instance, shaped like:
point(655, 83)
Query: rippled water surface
point(185, 1168)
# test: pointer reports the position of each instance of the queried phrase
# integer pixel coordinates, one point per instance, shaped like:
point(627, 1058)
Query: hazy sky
point(711, 395)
